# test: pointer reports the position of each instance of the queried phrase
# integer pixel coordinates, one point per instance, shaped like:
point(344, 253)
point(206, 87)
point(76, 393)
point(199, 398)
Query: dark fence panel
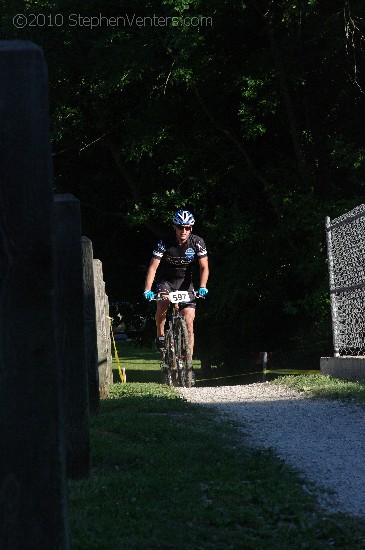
point(32, 473)
point(70, 332)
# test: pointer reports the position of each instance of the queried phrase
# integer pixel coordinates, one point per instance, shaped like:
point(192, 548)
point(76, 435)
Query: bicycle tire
point(183, 355)
point(170, 367)
point(167, 376)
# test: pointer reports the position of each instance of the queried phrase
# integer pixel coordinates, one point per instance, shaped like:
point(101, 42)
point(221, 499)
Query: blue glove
point(149, 295)
point(202, 291)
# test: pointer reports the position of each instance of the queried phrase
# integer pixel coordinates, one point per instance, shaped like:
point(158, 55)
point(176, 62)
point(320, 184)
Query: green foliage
point(253, 120)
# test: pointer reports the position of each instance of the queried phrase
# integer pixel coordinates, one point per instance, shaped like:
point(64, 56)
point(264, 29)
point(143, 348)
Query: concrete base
point(350, 367)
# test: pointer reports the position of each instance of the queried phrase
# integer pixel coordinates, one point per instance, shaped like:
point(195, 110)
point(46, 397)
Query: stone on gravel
point(323, 439)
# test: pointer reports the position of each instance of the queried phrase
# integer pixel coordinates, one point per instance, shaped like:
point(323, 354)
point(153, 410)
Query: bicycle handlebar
point(166, 295)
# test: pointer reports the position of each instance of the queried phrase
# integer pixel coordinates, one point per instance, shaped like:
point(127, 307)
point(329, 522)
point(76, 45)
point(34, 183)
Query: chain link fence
point(346, 265)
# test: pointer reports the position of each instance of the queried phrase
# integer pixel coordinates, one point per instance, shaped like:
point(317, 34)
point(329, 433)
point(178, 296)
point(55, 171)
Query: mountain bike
point(176, 364)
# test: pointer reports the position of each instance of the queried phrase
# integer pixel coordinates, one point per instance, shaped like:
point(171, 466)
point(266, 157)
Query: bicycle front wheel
point(169, 366)
point(183, 354)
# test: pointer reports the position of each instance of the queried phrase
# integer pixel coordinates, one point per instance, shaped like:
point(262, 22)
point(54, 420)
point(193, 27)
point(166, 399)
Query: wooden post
point(103, 331)
point(32, 472)
point(206, 365)
point(70, 332)
point(90, 332)
point(108, 345)
point(264, 360)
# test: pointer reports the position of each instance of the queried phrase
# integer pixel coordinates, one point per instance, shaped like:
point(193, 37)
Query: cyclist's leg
point(161, 308)
point(188, 311)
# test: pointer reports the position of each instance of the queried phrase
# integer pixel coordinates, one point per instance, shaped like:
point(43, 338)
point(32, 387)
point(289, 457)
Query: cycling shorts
point(165, 286)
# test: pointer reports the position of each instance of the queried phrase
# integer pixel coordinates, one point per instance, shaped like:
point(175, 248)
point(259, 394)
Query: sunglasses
point(182, 227)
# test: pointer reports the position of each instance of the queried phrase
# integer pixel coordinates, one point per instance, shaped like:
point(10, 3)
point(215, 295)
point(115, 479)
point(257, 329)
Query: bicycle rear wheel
point(183, 355)
point(169, 368)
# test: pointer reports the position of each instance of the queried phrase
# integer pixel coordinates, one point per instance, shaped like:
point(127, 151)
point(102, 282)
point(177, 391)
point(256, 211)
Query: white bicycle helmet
point(183, 217)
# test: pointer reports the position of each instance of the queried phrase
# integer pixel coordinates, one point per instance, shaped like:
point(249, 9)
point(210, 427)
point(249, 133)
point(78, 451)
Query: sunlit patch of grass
point(320, 385)
point(140, 364)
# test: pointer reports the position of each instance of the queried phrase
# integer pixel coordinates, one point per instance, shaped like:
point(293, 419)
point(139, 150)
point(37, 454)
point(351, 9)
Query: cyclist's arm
point(204, 271)
point(151, 272)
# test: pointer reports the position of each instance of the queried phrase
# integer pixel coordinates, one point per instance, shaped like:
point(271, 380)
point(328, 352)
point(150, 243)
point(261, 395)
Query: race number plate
point(179, 296)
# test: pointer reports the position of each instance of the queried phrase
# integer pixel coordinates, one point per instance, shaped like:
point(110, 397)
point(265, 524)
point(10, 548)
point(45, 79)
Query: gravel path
point(323, 439)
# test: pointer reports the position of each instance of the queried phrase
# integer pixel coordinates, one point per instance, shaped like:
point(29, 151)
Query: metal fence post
point(332, 284)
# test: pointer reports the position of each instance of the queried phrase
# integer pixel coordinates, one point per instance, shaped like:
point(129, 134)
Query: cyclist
point(174, 256)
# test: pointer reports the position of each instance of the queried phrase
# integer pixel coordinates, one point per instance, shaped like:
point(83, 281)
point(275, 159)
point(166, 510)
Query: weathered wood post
point(108, 343)
point(32, 473)
point(103, 331)
point(70, 332)
point(90, 331)
point(206, 366)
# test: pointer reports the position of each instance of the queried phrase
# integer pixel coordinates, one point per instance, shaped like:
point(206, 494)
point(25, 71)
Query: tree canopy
point(250, 114)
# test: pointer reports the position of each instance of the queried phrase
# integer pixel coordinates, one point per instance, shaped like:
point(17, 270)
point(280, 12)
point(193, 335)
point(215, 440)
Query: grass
point(320, 385)
point(170, 475)
point(141, 364)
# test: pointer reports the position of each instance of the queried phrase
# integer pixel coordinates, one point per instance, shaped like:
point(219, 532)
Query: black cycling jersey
point(177, 261)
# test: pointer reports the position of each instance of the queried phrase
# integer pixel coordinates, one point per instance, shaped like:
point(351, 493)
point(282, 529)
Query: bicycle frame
point(176, 361)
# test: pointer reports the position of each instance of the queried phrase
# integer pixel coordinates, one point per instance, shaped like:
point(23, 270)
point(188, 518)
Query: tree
point(254, 122)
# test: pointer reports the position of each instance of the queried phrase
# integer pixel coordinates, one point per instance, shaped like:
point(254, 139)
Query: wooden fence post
point(32, 473)
point(103, 331)
point(108, 345)
point(90, 331)
point(70, 332)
